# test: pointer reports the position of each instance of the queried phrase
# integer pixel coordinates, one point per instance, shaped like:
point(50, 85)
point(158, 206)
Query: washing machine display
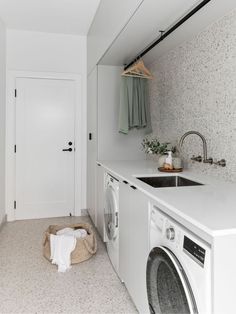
point(194, 250)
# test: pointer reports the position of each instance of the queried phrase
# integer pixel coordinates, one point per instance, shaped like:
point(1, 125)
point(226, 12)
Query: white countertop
point(208, 208)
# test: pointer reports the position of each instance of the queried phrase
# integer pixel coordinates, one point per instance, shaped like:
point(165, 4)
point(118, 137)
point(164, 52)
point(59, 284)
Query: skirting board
point(84, 212)
point(2, 223)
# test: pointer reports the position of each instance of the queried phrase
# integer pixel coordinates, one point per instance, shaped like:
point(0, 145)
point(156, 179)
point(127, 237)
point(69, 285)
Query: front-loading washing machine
point(178, 273)
point(111, 219)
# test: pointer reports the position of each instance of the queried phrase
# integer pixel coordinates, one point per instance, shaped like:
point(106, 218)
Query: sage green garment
point(134, 105)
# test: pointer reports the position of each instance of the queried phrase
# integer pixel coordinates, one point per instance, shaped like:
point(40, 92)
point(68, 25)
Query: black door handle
point(67, 150)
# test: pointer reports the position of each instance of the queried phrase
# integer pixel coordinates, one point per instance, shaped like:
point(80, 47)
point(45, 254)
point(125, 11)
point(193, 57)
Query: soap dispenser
point(168, 165)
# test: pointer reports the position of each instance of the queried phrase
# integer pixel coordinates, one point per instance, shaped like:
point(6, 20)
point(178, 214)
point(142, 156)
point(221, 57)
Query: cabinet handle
point(90, 136)
point(133, 187)
point(125, 182)
point(99, 165)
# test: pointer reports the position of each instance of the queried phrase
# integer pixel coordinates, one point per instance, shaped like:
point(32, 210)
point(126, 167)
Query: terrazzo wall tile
point(195, 89)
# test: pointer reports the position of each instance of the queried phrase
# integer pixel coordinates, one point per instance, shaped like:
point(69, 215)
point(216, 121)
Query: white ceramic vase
point(177, 162)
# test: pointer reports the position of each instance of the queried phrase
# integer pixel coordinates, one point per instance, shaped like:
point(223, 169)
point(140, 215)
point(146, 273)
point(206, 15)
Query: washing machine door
point(168, 288)
point(111, 213)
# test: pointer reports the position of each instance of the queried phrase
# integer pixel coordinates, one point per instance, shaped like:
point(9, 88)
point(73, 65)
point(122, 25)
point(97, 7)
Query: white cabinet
point(100, 190)
point(110, 19)
point(92, 144)
point(133, 233)
point(124, 232)
point(104, 142)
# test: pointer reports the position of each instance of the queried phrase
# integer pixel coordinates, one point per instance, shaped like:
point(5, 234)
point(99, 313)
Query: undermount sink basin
point(168, 181)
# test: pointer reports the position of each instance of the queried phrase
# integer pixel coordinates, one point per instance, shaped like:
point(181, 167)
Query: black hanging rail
point(169, 31)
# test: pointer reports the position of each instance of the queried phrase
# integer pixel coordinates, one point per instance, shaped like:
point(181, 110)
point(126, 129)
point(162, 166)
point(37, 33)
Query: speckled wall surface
point(195, 89)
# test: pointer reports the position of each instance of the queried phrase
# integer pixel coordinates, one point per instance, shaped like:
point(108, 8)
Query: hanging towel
point(134, 105)
point(61, 248)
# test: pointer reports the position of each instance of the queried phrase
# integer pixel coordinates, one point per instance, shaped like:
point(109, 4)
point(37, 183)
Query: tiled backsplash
point(195, 89)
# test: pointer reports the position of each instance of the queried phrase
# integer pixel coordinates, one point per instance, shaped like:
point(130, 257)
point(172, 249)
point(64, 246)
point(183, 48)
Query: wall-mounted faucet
point(199, 158)
point(205, 159)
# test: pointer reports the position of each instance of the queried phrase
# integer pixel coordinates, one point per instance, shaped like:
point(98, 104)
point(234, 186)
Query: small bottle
point(169, 161)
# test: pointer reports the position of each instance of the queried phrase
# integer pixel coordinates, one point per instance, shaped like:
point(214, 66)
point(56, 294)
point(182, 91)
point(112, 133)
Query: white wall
point(49, 53)
point(109, 20)
point(34, 51)
point(2, 117)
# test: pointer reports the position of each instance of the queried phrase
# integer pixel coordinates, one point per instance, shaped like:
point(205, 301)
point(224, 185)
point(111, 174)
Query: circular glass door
point(168, 288)
point(110, 213)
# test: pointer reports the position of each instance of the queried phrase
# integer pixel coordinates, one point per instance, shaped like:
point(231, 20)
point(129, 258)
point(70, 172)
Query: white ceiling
point(52, 16)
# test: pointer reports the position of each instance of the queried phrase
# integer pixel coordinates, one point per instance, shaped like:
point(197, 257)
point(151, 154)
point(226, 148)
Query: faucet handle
point(221, 163)
point(197, 158)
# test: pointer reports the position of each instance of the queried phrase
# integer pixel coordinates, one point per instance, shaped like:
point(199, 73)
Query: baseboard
point(84, 212)
point(2, 223)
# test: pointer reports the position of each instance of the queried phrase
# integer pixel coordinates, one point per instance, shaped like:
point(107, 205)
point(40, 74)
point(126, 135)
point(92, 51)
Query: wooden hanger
point(138, 69)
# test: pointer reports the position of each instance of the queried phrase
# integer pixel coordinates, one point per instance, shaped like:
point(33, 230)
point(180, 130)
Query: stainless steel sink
point(168, 181)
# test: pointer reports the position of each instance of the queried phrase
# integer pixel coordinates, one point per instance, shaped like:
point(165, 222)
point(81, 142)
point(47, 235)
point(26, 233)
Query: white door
point(45, 114)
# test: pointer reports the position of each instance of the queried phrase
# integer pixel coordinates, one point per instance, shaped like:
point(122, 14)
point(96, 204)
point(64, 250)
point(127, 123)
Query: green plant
point(153, 146)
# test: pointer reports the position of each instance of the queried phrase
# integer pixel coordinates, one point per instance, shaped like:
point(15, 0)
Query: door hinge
point(14, 204)
point(15, 92)
point(14, 148)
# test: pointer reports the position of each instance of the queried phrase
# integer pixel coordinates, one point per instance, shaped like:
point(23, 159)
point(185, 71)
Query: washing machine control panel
point(194, 250)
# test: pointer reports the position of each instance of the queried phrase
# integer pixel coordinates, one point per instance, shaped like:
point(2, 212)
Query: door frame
point(80, 138)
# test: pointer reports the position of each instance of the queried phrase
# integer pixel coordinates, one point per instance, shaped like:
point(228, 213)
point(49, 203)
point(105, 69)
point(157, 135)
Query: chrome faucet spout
point(205, 159)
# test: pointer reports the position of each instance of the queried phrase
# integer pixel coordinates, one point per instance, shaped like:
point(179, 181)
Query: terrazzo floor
point(30, 284)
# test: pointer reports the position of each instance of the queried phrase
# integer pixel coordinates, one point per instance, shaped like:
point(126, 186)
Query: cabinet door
point(138, 228)
point(100, 200)
point(124, 232)
point(133, 233)
point(92, 144)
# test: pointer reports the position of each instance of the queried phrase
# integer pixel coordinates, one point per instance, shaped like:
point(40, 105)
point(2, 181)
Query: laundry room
point(117, 156)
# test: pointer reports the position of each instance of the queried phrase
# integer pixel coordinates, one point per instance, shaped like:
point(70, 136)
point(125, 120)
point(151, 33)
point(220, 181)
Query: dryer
point(111, 219)
point(178, 273)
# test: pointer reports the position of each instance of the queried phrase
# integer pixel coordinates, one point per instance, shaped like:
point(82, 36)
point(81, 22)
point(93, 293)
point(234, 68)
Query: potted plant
point(155, 147)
